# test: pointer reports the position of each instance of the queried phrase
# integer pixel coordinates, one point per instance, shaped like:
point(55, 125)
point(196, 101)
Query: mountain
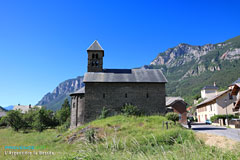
point(9, 107)
point(188, 68)
point(55, 99)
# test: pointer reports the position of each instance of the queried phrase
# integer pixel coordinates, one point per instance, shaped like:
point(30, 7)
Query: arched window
point(73, 105)
point(96, 63)
point(96, 56)
point(92, 63)
point(93, 56)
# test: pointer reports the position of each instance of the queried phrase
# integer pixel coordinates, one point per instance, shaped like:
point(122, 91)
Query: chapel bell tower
point(95, 57)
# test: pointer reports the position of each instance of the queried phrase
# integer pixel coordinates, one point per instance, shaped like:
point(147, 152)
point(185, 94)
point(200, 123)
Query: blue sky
point(43, 43)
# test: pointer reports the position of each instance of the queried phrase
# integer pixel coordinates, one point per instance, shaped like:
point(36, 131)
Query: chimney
point(214, 84)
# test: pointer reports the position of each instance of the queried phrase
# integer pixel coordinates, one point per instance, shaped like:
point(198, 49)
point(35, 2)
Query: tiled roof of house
point(129, 75)
point(171, 100)
point(24, 108)
point(212, 99)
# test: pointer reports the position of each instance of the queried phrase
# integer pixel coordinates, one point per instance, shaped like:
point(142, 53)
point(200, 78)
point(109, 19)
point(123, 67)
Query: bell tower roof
point(95, 46)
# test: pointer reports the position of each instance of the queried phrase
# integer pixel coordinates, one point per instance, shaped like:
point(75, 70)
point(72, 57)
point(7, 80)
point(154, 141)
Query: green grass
point(118, 137)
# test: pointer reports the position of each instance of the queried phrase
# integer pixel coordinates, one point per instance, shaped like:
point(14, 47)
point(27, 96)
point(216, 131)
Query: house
point(214, 102)
point(115, 88)
point(236, 92)
point(3, 112)
point(24, 108)
point(177, 105)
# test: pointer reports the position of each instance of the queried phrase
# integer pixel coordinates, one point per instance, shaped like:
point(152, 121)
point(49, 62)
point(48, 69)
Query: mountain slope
point(55, 99)
point(188, 68)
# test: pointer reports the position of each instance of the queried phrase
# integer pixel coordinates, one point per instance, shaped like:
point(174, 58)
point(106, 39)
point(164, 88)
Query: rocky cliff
point(188, 68)
point(54, 100)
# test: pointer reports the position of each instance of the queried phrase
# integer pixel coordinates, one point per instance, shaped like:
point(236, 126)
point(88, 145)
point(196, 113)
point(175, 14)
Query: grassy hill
point(118, 137)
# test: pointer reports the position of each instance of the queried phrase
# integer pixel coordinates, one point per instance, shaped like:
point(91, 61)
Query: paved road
point(217, 130)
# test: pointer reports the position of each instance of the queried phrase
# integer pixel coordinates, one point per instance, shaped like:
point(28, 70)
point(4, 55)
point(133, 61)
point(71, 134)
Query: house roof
point(126, 75)
point(211, 99)
point(23, 108)
point(171, 100)
point(80, 91)
point(237, 81)
point(210, 87)
point(95, 46)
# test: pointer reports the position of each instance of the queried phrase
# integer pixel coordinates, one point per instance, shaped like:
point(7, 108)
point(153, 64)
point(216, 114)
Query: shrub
point(15, 120)
point(172, 116)
point(104, 113)
point(217, 117)
point(3, 121)
point(90, 135)
point(130, 110)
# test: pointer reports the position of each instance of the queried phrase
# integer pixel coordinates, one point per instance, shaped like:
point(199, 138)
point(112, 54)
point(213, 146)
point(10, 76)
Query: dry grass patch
point(218, 141)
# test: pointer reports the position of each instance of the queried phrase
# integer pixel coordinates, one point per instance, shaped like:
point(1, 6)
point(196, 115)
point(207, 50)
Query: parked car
point(208, 122)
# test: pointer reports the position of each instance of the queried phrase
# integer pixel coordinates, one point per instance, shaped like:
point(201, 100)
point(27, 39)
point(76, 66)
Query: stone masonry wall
point(114, 95)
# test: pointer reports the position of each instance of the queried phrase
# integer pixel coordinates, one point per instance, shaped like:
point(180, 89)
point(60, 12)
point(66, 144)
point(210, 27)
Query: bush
point(64, 127)
point(104, 113)
point(172, 116)
point(130, 110)
point(90, 135)
point(217, 117)
point(14, 119)
point(3, 121)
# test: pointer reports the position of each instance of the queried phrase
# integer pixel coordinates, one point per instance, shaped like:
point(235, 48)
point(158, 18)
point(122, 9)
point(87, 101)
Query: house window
point(92, 63)
point(103, 95)
point(147, 95)
point(125, 95)
point(96, 56)
point(93, 56)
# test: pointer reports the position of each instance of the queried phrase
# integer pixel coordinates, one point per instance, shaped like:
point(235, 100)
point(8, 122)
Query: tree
point(64, 113)
point(172, 116)
point(15, 120)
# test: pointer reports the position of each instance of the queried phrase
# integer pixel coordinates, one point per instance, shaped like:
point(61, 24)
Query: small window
point(96, 56)
point(93, 56)
point(125, 95)
point(92, 63)
point(103, 95)
point(147, 95)
point(73, 105)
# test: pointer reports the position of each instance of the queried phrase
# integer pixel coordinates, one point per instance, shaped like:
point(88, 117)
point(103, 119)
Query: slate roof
point(209, 87)
point(237, 81)
point(211, 99)
point(95, 46)
point(171, 100)
point(126, 75)
point(80, 91)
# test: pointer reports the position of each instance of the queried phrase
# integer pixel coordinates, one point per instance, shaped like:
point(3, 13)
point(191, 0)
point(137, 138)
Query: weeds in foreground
point(121, 149)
